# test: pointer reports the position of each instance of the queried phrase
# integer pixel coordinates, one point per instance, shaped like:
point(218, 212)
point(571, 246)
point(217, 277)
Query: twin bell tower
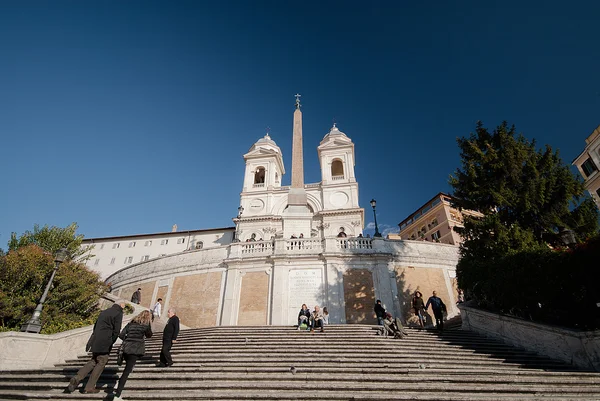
point(301, 210)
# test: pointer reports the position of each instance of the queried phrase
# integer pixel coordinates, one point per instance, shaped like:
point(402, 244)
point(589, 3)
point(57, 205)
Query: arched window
point(259, 176)
point(337, 168)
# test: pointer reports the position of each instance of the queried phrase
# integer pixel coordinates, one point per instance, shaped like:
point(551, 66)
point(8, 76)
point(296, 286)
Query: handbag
point(120, 355)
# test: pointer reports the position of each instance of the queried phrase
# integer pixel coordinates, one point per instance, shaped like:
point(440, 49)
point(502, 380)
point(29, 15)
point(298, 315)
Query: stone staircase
point(346, 362)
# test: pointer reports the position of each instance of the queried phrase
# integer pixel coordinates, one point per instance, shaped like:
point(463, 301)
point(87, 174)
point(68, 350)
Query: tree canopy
point(528, 197)
point(25, 270)
point(50, 239)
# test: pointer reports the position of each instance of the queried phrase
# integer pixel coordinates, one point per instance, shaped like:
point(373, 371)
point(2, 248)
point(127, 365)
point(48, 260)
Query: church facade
point(294, 245)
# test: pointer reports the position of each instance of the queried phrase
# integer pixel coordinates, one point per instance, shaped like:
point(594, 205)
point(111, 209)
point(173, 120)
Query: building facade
point(435, 221)
point(109, 254)
point(292, 245)
point(588, 163)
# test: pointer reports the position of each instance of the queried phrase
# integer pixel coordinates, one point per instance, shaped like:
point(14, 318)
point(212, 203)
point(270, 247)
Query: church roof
point(266, 143)
point(335, 135)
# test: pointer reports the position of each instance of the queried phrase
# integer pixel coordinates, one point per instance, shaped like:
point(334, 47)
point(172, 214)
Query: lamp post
point(373, 204)
point(34, 325)
point(237, 224)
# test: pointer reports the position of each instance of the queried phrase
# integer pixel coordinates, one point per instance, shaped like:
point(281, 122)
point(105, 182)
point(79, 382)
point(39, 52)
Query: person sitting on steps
point(304, 317)
point(393, 327)
point(316, 319)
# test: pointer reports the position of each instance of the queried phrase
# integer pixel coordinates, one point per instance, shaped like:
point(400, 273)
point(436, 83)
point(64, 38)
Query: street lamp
point(237, 224)
point(34, 325)
point(373, 204)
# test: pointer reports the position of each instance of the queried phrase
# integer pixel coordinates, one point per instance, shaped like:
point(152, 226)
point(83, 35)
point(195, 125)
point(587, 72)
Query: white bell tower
point(264, 166)
point(341, 211)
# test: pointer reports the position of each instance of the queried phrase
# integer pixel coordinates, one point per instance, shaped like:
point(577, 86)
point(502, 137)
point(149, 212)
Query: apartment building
point(435, 221)
point(587, 163)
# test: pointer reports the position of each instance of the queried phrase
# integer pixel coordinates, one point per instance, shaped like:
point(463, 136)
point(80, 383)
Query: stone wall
point(426, 280)
point(147, 291)
point(34, 351)
point(222, 286)
point(254, 297)
point(359, 296)
point(196, 298)
point(579, 348)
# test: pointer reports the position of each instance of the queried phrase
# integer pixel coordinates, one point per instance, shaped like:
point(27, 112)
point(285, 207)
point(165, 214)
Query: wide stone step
point(366, 368)
point(413, 376)
point(224, 384)
point(293, 394)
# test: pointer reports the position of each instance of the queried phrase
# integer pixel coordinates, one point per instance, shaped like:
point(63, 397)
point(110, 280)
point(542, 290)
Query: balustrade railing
point(337, 177)
point(256, 247)
point(304, 245)
point(296, 246)
point(353, 243)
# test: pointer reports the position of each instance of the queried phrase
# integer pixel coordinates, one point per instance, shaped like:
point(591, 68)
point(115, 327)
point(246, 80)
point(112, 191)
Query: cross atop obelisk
point(297, 156)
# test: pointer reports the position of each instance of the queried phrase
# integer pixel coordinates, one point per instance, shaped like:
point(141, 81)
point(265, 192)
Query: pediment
point(336, 143)
point(261, 152)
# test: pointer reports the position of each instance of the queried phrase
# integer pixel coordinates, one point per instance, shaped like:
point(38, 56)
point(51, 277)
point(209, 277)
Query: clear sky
point(129, 116)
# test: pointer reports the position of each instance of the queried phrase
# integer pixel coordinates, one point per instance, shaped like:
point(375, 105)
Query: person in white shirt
point(157, 309)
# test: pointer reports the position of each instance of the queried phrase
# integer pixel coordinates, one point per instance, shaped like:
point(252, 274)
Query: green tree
point(71, 303)
point(51, 239)
point(525, 195)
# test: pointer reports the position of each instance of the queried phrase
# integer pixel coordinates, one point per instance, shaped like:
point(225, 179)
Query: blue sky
point(128, 117)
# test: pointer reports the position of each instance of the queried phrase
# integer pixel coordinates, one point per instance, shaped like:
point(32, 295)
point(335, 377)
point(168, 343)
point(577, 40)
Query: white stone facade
point(333, 202)
point(108, 255)
point(291, 245)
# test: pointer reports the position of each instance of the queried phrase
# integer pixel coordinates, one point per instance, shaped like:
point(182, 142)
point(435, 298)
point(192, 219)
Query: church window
point(259, 176)
point(132, 244)
point(164, 242)
point(337, 168)
point(148, 243)
point(145, 258)
point(115, 246)
point(128, 259)
point(199, 245)
point(181, 240)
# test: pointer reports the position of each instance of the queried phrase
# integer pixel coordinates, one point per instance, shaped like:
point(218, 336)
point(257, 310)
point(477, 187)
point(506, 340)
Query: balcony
point(304, 246)
point(337, 178)
point(260, 185)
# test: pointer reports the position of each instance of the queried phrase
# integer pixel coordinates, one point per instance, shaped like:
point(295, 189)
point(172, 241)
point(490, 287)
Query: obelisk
point(297, 216)
point(297, 194)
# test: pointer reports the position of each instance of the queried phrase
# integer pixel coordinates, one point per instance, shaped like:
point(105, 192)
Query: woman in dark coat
point(419, 307)
point(304, 316)
point(133, 346)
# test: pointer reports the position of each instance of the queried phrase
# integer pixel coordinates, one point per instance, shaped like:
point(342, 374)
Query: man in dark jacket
point(136, 298)
point(106, 331)
point(439, 308)
point(170, 334)
point(379, 312)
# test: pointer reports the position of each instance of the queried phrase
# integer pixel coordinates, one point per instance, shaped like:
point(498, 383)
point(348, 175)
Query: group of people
point(420, 310)
point(106, 331)
point(313, 320)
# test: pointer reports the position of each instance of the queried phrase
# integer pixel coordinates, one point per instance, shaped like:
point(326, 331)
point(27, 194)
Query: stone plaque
point(305, 287)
